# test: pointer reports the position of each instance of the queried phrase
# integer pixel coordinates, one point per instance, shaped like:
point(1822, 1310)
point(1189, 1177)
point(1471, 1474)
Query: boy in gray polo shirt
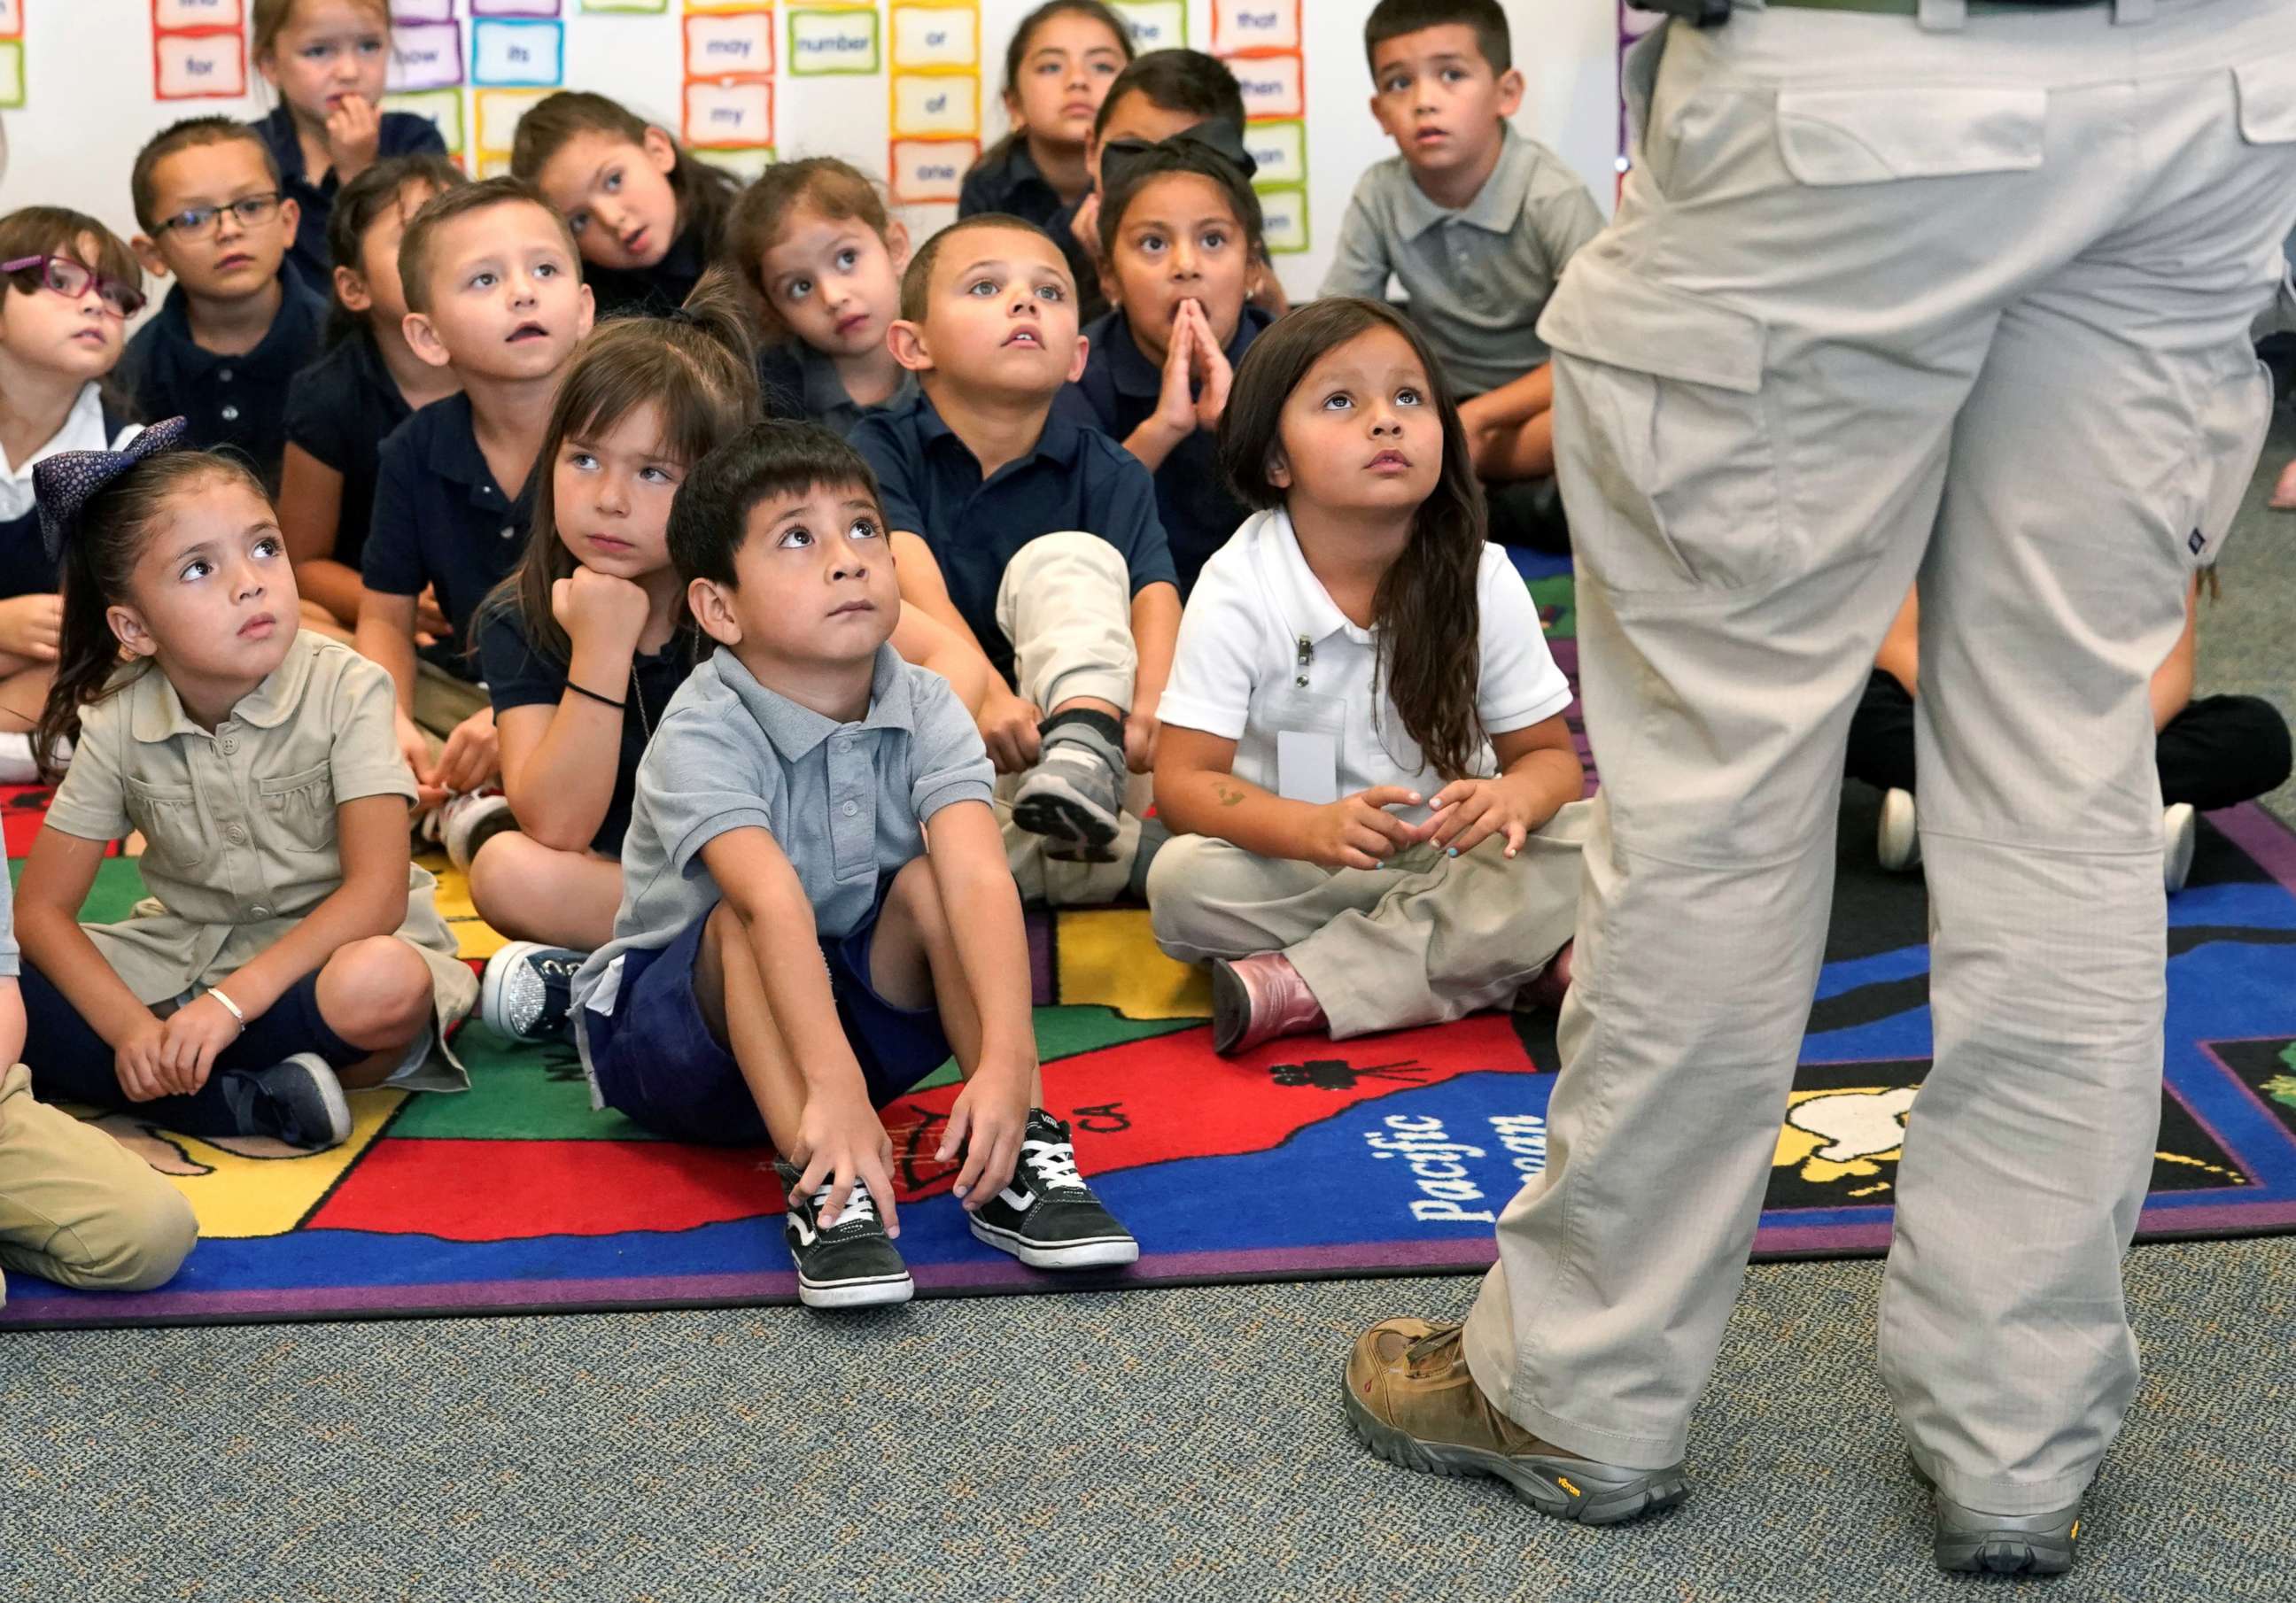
point(784, 963)
point(1477, 222)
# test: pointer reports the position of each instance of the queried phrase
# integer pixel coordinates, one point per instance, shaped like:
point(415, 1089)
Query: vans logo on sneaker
point(806, 1234)
point(1017, 1200)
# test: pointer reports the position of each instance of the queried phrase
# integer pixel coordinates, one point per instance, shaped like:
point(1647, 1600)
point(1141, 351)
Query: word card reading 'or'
point(932, 37)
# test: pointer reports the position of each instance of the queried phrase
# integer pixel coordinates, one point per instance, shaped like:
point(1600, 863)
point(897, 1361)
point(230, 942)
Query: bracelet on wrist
point(595, 696)
point(229, 1006)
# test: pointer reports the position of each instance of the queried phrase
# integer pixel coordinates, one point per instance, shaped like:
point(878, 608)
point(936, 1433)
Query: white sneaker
point(468, 818)
point(2179, 834)
point(529, 990)
point(1898, 843)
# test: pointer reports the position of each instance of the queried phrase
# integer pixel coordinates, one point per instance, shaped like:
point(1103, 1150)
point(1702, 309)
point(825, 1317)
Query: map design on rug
point(1385, 1155)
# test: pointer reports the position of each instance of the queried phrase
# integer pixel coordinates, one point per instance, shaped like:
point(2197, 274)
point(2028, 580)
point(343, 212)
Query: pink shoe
point(1547, 990)
point(2283, 494)
point(1257, 999)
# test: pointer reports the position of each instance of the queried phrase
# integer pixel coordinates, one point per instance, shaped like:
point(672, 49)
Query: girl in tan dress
point(288, 949)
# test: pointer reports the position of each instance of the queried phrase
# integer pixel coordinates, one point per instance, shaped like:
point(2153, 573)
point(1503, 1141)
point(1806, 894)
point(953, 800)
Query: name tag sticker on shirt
point(1306, 767)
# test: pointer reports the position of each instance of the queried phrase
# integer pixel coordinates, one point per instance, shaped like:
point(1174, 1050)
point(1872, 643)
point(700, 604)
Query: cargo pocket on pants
point(1673, 432)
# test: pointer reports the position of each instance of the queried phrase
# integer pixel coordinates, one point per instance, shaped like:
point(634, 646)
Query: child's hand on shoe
point(473, 755)
point(985, 1125)
point(1470, 812)
point(839, 1139)
point(1008, 728)
point(1358, 831)
point(414, 750)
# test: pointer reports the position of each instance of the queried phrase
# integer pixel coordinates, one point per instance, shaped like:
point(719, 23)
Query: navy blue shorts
point(656, 1061)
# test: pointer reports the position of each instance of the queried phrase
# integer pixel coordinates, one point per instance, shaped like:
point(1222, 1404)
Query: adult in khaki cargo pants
point(1963, 298)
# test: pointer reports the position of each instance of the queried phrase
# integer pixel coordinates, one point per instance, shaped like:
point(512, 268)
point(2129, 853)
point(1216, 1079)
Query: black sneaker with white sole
point(851, 1264)
point(298, 1101)
point(529, 990)
point(1047, 1217)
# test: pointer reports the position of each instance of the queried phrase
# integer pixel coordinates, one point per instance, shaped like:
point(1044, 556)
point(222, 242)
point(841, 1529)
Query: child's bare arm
point(1198, 794)
point(840, 1136)
point(310, 516)
point(925, 641)
point(965, 850)
point(385, 636)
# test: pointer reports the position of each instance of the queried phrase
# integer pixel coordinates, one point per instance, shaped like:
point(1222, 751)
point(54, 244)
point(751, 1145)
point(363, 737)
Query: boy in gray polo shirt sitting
point(785, 962)
point(1477, 222)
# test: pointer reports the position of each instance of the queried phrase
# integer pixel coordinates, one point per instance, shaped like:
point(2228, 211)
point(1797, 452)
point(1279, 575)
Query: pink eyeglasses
point(71, 279)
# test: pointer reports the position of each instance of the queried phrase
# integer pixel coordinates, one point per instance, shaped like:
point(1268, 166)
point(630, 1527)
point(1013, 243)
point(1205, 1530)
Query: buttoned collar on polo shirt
point(156, 713)
point(1496, 205)
point(796, 731)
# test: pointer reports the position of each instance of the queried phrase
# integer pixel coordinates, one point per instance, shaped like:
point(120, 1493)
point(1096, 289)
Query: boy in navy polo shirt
point(787, 957)
point(493, 290)
point(238, 325)
point(1033, 536)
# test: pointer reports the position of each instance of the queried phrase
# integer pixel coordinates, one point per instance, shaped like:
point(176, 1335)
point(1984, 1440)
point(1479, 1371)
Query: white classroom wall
point(86, 72)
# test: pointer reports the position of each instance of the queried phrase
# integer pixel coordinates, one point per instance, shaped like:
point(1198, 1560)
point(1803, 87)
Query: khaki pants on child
point(1427, 938)
point(1065, 604)
point(77, 1207)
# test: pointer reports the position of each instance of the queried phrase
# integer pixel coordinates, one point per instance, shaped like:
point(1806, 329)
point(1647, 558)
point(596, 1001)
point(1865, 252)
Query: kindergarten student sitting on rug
point(584, 645)
point(817, 906)
point(1373, 794)
point(293, 950)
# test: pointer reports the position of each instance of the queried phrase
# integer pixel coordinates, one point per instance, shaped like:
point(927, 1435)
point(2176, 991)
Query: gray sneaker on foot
point(1074, 795)
point(1970, 1540)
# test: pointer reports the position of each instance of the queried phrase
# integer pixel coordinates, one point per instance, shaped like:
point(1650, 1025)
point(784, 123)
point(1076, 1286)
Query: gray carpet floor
point(1168, 1444)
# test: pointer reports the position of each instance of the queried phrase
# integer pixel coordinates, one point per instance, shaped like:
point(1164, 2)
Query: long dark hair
point(1180, 154)
point(1016, 51)
point(696, 367)
point(1425, 614)
point(99, 559)
point(705, 193)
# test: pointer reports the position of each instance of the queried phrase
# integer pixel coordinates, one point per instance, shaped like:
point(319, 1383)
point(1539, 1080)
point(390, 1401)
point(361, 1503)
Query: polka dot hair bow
point(65, 483)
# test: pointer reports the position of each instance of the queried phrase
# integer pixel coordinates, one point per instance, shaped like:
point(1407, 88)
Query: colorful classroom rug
point(1388, 1155)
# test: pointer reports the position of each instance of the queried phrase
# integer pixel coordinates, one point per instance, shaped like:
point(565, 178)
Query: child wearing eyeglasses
point(239, 323)
point(67, 287)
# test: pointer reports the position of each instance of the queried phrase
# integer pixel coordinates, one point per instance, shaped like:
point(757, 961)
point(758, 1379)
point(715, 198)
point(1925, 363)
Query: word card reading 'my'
point(730, 116)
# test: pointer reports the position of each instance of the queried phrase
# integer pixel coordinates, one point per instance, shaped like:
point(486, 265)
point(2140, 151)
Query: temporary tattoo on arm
point(1229, 795)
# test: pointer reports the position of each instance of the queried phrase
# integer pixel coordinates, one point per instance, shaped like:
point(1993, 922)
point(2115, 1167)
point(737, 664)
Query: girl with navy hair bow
point(290, 950)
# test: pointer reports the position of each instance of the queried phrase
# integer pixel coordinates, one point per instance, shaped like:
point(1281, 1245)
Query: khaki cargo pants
point(1882, 302)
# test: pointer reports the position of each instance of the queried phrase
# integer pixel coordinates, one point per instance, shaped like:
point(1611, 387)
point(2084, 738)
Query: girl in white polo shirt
point(1364, 761)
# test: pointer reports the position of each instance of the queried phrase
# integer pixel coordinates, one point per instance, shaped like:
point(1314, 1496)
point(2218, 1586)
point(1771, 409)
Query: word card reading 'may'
point(736, 43)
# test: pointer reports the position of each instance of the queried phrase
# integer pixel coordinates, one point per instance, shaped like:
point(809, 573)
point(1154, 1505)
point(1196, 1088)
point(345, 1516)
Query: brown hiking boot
point(1413, 1403)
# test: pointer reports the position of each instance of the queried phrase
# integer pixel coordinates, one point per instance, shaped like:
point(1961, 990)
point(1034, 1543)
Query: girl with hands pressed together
point(294, 951)
point(1373, 795)
point(1180, 232)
